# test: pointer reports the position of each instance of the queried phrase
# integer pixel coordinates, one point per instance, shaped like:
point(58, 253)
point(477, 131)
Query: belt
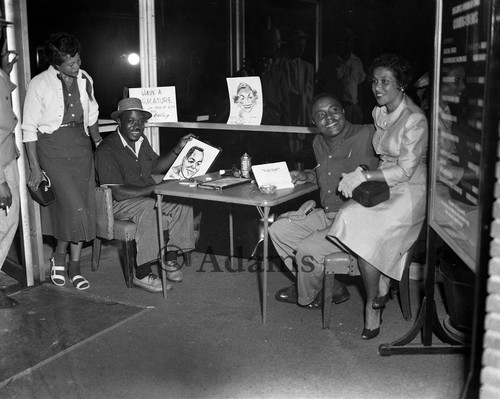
point(72, 124)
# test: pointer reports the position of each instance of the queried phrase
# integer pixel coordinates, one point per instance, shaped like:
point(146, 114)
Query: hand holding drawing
point(182, 142)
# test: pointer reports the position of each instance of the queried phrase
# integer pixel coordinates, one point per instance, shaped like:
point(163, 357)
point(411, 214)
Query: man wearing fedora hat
point(126, 161)
point(9, 174)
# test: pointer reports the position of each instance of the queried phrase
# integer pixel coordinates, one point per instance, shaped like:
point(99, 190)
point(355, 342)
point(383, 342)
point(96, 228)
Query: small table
point(245, 194)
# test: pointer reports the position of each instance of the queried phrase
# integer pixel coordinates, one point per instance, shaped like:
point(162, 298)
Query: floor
point(207, 340)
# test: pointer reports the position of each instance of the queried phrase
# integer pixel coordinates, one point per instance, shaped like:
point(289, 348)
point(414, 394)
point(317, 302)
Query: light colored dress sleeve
point(412, 150)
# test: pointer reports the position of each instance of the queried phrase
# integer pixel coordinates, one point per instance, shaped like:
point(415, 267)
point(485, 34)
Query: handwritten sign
point(160, 101)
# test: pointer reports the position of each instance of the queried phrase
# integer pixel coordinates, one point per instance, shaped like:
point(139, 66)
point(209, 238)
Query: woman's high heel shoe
point(380, 301)
point(369, 334)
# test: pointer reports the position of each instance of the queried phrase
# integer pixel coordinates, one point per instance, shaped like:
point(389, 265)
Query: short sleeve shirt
point(117, 164)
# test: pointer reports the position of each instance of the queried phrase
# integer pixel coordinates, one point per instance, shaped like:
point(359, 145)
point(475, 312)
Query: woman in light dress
point(381, 236)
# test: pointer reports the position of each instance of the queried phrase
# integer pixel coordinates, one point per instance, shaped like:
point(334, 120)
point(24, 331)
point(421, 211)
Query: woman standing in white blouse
point(60, 112)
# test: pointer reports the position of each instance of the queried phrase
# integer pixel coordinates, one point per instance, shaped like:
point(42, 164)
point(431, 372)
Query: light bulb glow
point(133, 59)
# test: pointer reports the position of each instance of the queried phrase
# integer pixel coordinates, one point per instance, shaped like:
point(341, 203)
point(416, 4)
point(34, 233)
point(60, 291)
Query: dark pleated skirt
point(66, 156)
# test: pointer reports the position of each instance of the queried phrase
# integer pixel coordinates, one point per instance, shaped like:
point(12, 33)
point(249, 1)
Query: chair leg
point(96, 254)
point(404, 293)
point(328, 281)
point(129, 250)
point(186, 256)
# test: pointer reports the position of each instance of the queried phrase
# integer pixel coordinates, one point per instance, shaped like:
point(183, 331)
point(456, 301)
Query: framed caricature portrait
point(245, 97)
point(195, 159)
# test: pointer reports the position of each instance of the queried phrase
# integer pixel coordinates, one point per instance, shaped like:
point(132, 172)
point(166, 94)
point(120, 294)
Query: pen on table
point(6, 211)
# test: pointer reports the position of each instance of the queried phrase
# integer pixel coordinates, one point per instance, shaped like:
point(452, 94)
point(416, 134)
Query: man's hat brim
point(116, 114)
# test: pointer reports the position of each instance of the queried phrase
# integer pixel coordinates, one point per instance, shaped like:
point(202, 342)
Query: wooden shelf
point(223, 126)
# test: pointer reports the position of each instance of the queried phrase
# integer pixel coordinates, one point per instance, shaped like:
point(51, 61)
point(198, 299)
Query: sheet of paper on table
point(276, 174)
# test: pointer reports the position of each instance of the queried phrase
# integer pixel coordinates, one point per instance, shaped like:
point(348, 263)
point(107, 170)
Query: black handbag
point(371, 193)
point(45, 194)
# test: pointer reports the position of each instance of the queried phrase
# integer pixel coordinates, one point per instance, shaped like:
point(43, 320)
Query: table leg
point(161, 239)
point(265, 264)
point(231, 236)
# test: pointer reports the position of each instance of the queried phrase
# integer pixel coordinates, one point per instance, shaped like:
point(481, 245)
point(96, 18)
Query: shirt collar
point(339, 140)
point(388, 118)
point(56, 73)
point(125, 144)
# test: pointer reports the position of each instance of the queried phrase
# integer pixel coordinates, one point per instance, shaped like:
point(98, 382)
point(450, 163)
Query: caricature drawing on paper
point(191, 163)
point(246, 102)
point(194, 159)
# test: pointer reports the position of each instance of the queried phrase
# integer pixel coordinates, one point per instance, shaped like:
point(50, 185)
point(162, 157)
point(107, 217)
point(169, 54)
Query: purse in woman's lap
point(371, 193)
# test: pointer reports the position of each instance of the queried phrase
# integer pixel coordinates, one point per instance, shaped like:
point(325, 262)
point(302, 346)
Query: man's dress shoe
point(340, 294)
point(289, 295)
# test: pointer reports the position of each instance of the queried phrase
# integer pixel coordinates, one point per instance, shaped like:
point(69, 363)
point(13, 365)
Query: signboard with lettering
point(460, 134)
point(160, 101)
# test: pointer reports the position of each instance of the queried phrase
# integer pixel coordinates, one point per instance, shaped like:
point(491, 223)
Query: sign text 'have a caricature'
point(160, 101)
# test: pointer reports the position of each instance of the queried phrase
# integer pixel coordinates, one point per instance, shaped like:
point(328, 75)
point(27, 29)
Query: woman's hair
point(399, 66)
point(193, 149)
point(59, 45)
point(241, 86)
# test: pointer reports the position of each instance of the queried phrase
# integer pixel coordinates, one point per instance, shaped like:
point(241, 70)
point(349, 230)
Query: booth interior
point(197, 64)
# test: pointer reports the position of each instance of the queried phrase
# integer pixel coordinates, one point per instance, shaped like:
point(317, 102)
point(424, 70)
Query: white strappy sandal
point(55, 273)
point(80, 282)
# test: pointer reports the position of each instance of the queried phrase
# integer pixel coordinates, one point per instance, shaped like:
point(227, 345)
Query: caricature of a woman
point(246, 99)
